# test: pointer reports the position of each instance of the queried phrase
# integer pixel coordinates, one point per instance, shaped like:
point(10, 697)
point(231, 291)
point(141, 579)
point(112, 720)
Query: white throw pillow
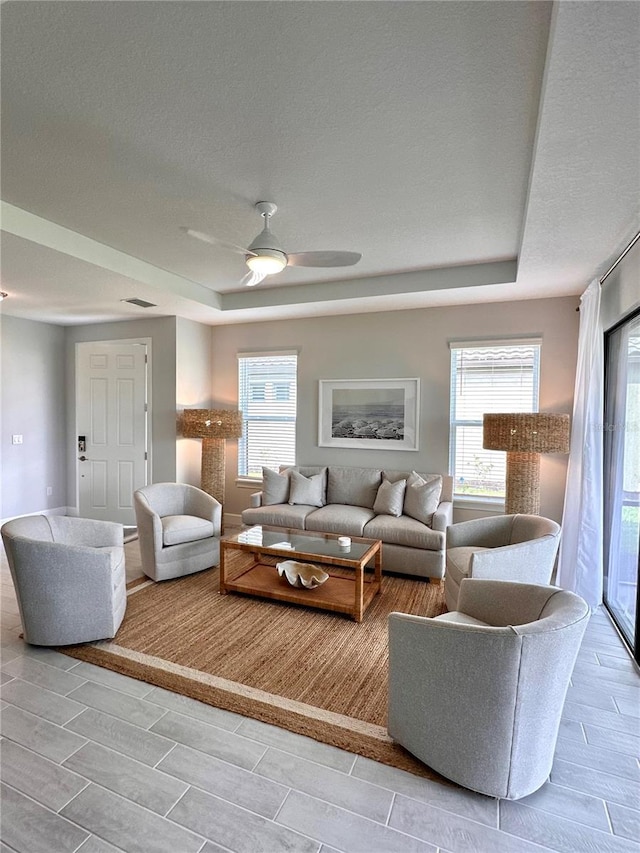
point(390, 498)
point(421, 497)
point(275, 487)
point(307, 490)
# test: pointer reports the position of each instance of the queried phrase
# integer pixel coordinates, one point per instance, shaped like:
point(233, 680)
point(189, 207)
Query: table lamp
point(525, 436)
point(213, 426)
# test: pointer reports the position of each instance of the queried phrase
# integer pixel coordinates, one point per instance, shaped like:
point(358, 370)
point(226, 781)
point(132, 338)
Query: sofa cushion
point(277, 515)
point(353, 486)
point(275, 487)
point(404, 531)
point(339, 518)
point(459, 560)
point(390, 498)
point(421, 497)
point(177, 529)
point(306, 490)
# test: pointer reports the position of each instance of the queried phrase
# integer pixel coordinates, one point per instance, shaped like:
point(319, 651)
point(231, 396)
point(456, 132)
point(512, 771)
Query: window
point(497, 376)
point(267, 400)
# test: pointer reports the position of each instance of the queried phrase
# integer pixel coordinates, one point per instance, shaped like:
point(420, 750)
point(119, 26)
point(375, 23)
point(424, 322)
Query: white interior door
point(112, 435)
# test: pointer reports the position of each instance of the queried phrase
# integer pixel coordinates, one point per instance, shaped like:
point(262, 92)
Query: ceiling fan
point(265, 256)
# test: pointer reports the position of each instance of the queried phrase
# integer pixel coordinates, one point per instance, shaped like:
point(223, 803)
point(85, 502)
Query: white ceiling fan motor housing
point(266, 255)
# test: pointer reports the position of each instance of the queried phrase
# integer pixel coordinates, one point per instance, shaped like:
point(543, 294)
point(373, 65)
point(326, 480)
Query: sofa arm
point(443, 516)
point(256, 499)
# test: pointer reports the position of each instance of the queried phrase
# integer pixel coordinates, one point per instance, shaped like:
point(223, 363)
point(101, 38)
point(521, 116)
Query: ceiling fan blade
point(323, 259)
point(252, 278)
point(207, 238)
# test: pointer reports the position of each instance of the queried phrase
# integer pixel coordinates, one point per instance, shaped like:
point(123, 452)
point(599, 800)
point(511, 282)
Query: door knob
point(82, 458)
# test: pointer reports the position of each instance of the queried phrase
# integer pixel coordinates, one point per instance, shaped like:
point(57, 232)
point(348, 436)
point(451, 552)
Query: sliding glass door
point(622, 478)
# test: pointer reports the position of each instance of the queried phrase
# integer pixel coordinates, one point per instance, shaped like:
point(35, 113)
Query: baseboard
point(232, 519)
point(58, 510)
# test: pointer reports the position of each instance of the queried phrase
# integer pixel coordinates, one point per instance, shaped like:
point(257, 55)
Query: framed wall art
point(380, 414)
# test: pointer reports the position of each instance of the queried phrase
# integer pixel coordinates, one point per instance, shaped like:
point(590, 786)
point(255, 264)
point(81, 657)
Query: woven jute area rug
point(313, 672)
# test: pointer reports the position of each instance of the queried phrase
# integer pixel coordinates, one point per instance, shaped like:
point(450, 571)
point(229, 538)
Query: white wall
point(33, 404)
point(194, 385)
point(399, 344)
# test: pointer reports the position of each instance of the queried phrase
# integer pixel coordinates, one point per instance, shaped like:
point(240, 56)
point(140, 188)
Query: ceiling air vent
point(140, 303)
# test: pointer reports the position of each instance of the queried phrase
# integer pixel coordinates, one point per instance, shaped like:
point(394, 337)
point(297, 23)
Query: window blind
point(267, 396)
point(501, 377)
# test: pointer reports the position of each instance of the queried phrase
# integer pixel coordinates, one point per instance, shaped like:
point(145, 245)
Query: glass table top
point(303, 542)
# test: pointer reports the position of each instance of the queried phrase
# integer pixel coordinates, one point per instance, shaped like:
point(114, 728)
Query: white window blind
point(267, 399)
point(499, 377)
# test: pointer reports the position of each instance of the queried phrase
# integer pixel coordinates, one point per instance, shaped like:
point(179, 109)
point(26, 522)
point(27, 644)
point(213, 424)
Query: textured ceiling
point(472, 151)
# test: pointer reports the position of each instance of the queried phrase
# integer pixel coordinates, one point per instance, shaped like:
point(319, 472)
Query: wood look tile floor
point(94, 762)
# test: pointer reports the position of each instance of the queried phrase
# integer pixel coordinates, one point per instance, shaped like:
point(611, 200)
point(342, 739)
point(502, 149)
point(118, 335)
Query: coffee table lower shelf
point(336, 594)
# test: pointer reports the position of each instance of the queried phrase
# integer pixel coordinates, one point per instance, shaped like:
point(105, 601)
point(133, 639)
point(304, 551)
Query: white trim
point(232, 519)
point(58, 510)
point(255, 484)
point(476, 502)
point(266, 353)
point(479, 343)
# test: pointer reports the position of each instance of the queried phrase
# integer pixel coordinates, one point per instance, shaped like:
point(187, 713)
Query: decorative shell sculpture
point(302, 575)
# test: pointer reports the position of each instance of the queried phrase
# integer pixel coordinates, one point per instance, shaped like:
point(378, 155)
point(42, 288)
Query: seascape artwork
point(368, 413)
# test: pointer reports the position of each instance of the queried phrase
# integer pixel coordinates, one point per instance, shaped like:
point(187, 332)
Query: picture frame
point(371, 414)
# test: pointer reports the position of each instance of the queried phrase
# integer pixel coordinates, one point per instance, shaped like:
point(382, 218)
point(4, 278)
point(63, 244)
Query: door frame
point(632, 645)
point(149, 386)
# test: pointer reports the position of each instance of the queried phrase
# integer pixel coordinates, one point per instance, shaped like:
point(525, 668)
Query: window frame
point(454, 423)
point(268, 403)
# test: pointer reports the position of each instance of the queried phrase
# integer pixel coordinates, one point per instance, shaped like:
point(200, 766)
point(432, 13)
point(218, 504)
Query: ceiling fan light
point(267, 263)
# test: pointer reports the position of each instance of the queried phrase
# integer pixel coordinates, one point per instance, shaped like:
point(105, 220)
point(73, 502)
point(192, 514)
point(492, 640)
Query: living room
point(495, 241)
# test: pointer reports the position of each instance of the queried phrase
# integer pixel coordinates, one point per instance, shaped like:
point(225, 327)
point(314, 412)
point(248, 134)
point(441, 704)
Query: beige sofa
point(410, 517)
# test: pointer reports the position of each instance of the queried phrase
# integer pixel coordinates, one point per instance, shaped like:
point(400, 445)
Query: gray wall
point(32, 399)
point(193, 390)
point(163, 390)
point(402, 344)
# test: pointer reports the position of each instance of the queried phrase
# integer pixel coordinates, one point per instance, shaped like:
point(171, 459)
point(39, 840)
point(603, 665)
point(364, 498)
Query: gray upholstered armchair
point(69, 577)
point(503, 547)
point(477, 694)
point(178, 529)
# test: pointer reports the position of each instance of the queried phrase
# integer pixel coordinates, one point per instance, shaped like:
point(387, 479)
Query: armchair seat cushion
point(459, 561)
point(177, 529)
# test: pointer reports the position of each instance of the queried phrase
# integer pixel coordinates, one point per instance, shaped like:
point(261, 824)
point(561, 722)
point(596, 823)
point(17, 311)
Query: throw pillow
point(422, 497)
point(275, 487)
point(390, 498)
point(307, 490)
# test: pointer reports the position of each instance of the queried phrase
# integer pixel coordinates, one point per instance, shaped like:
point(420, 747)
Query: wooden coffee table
point(247, 565)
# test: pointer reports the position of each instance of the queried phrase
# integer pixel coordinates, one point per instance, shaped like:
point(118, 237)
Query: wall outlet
point(16, 439)
point(49, 491)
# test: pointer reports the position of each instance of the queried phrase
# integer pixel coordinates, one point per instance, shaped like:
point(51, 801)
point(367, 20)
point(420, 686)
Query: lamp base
point(213, 467)
point(523, 483)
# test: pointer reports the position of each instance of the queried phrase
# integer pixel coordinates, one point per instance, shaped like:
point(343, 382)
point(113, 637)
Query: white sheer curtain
point(580, 560)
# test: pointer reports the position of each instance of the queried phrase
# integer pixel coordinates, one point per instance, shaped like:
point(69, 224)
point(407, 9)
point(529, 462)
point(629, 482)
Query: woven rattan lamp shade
point(524, 436)
point(213, 426)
